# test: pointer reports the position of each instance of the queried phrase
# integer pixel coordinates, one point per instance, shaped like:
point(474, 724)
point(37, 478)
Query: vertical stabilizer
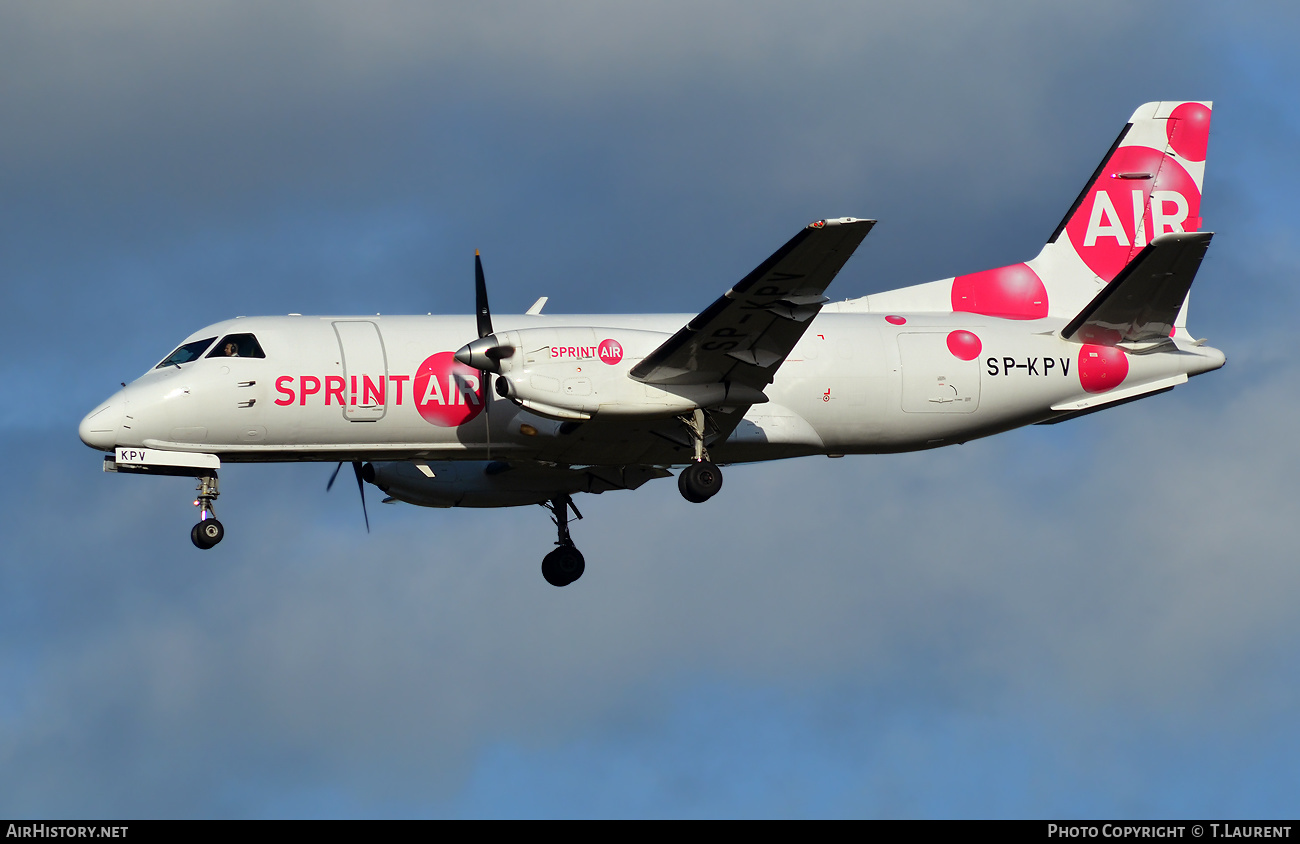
point(1148, 184)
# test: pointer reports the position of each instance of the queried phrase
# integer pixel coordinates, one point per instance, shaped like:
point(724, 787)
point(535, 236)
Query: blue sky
point(1091, 619)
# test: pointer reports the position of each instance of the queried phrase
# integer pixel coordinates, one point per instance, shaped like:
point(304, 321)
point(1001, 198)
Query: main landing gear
point(565, 564)
point(208, 531)
point(701, 480)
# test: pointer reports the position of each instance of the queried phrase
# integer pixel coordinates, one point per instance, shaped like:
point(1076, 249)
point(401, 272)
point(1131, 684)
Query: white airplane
point(445, 411)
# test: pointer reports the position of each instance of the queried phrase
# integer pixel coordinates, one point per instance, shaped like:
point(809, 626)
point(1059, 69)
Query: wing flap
point(745, 336)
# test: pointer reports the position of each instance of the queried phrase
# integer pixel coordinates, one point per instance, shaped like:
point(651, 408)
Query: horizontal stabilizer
point(1142, 303)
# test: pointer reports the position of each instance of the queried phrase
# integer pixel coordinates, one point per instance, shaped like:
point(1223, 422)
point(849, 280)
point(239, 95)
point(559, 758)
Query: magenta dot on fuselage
point(964, 344)
point(1014, 292)
point(895, 320)
point(1101, 368)
point(446, 392)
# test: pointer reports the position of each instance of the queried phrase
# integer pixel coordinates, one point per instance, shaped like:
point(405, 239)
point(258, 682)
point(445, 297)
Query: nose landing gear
point(565, 564)
point(208, 532)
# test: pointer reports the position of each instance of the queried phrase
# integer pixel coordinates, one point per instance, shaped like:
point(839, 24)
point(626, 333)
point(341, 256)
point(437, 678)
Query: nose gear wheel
point(208, 532)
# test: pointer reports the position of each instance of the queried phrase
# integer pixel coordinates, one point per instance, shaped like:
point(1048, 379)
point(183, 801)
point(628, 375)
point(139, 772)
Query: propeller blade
point(484, 314)
point(330, 485)
point(361, 487)
point(480, 298)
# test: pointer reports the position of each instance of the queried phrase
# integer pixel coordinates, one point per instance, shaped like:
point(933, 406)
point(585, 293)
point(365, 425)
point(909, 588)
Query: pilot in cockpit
point(237, 346)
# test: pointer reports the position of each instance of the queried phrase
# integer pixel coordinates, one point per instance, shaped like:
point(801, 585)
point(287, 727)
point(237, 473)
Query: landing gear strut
point(701, 480)
point(565, 564)
point(208, 531)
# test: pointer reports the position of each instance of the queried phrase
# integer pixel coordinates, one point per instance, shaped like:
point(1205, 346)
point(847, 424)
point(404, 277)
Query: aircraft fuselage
point(387, 388)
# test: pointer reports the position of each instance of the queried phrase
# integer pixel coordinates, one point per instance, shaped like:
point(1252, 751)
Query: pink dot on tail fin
point(1188, 130)
point(895, 320)
point(1014, 292)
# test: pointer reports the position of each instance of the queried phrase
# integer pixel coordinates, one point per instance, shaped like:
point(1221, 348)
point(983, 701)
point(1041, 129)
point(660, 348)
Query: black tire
point(207, 533)
point(699, 482)
point(563, 565)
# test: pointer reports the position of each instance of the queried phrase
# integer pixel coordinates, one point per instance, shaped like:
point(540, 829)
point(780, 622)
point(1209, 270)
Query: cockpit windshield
point(186, 353)
point(237, 346)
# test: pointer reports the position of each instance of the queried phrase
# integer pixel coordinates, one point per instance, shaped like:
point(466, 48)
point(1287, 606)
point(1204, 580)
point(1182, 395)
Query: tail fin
point(1148, 184)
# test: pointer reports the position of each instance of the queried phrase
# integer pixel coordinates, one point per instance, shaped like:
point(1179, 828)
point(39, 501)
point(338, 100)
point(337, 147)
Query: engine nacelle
point(578, 373)
point(477, 483)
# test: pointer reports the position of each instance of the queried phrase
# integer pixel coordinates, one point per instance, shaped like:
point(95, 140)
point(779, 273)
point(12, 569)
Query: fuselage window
point(238, 346)
point(186, 353)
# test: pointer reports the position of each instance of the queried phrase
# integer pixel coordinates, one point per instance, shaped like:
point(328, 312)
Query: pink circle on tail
point(895, 320)
point(1102, 368)
point(446, 392)
point(1014, 292)
point(1188, 130)
point(964, 344)
point(1103, 229)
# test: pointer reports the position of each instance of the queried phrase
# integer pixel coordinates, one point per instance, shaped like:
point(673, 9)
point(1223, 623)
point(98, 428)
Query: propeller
point(484, 315)
point(480, 298)
point(361, 487)
point(483, 354)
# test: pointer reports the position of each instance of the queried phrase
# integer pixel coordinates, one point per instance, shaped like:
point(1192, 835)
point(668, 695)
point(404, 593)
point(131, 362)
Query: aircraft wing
point(745, 336)
point(1143, 301)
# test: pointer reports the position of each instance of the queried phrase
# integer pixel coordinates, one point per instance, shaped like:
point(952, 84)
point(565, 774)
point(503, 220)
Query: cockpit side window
point(237, 346)
point(186, 353)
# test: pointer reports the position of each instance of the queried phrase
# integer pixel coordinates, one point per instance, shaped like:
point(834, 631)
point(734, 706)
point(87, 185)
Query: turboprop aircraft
point(447, 411)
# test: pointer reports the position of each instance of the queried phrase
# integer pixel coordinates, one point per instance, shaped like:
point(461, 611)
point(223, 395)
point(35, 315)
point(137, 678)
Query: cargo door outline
point(934, 379)
point(362, 349)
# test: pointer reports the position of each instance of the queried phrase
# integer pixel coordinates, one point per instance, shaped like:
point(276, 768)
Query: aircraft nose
point(99, 428)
